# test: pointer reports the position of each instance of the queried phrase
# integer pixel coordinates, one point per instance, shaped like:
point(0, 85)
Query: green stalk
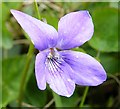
point(27, 64)
point(87, 87)
point(84, 96)
point(37, 10)
point(57, 99)
point(24, 74)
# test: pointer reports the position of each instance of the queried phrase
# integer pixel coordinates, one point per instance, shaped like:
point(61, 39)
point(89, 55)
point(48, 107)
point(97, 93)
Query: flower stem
point(87, 87)
point(28, 60)
point(57, 98)
point(84, 96)
point(37, 10)
point(58, 102)
point(24, 74)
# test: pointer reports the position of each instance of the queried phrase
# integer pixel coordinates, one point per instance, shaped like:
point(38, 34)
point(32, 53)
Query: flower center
point(53, 54)
point(53, 60)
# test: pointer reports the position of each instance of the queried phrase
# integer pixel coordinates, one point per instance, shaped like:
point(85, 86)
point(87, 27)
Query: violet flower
point(55, 64)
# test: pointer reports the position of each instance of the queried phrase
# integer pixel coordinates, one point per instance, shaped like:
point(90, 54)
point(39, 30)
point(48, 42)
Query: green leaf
point(13, 5)
point(70, 102)
point(7, 41)
point(110, 63)
point(11, 77)
point(79, 49)
point(6, 6)
point(51, 19)
point(6, 36)
point(106, 30)
point(29, 9)
point(5, 12)
point(35, 96)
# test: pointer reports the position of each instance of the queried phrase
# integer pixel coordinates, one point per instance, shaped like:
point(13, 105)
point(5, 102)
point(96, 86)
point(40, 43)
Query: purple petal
point(42, 35)
point(58, 77)
point(74, 29)
point(87, 70)
point(40, 70)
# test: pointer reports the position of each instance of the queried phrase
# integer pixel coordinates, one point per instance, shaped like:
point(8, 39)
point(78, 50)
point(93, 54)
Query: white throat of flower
point(53, 54)
point(53, 60)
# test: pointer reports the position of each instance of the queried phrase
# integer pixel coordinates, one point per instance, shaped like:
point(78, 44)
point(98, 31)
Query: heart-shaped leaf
point(106, 30)
point(12, 69)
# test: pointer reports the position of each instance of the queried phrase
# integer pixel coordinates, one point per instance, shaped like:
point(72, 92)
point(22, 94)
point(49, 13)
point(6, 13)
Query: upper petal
point(58, 77)
point(42, 35)
point(40, 70)
point(87, 70)
point(74, 29)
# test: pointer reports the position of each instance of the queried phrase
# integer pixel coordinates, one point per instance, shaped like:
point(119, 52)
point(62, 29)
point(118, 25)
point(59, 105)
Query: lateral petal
point(40, 70)
point(42, 35)
point(87, 70)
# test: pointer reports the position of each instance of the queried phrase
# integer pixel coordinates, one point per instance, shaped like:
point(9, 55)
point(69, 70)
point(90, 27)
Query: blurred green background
point(103, 46)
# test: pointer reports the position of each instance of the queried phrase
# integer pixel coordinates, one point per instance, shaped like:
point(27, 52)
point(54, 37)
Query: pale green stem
point(37, 10)
point(98, 54)
point(28, 60)
point(57, 99)
point(87, 88)
point(84, 96)
point(24, 74)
